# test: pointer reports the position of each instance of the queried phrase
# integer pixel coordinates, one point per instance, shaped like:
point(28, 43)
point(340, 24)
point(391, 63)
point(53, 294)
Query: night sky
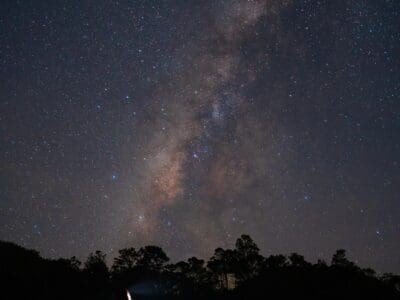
point(187, 123)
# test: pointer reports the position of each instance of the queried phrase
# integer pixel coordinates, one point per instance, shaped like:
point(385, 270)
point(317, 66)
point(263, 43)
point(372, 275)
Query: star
point(246, 124)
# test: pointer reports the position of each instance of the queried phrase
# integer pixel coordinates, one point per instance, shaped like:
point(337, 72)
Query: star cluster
point(188, 123)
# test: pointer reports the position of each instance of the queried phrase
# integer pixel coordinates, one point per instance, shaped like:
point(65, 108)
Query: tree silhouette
point(97, 274)
point(126, 260)
point(223, 263)
point(24, 274)
point(298, 261)
point(248, 260)
point(152, 258)
point(197, 271)
point(275, 261)
point(339, 259)
point(96, 264)
point(191, 278)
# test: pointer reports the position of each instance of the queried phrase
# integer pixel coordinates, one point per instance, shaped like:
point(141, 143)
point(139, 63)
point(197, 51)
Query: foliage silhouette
point(239, 273)
point(97, 274)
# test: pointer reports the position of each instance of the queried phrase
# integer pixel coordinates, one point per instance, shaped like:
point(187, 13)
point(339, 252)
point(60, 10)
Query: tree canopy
point(238, 273)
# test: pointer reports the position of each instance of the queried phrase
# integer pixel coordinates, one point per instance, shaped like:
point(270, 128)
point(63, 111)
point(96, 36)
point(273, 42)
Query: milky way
point(195, 119)
point(186, 124)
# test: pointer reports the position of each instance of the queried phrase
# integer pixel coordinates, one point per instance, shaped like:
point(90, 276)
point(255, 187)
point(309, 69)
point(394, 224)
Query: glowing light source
point(128, 295)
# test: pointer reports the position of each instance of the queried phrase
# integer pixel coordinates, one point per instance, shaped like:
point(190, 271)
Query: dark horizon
point(109, 260)
point(148, 273)
point(184, 124)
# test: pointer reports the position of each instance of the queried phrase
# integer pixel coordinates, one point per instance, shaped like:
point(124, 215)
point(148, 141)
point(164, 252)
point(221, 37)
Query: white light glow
point(128, 295)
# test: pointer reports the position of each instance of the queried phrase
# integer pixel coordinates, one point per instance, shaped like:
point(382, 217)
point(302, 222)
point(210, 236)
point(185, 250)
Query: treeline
point(239, 273)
